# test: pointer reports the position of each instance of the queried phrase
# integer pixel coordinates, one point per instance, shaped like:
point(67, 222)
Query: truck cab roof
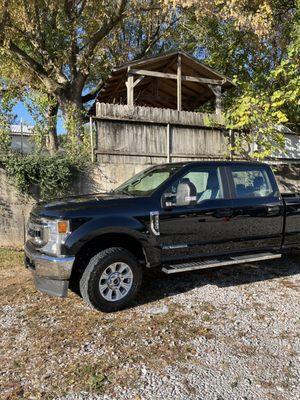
point(212, 162)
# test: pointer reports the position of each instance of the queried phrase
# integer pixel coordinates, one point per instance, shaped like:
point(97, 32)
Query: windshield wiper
point(121, 191)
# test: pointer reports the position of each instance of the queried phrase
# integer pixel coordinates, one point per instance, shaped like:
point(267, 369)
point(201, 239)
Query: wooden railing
point(157, 115)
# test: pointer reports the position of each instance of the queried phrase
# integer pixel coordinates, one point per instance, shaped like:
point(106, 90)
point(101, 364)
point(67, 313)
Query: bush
point(50, 175)
point(40, 174)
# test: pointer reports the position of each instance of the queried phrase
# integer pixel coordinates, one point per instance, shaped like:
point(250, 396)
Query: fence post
point(231, 143)
point(169, 144)
point(92, 138)
point(21, 127)
point(179, 84)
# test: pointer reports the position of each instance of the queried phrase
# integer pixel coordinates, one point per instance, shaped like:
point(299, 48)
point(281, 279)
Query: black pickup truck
point(177, 217)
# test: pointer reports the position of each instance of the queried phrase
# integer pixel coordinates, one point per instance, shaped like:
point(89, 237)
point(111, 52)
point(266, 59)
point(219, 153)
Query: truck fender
point(110, 225)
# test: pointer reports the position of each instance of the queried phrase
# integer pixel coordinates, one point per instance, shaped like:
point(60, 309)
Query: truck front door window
point(196, 186)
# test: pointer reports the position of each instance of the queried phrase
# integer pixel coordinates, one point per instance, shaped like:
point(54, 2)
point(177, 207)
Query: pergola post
point(179, 82)
point(218, 94)
point(130, 88)
point(217, 91)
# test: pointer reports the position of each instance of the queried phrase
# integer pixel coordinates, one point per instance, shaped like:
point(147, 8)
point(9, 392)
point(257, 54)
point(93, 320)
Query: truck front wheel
point(111, 280)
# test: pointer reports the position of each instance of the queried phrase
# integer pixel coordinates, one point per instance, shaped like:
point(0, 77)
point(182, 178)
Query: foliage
point(6, 105)
point(52, 175)
point(257, 44)
point(66, 48)
point(38, 104)
point(260, 115)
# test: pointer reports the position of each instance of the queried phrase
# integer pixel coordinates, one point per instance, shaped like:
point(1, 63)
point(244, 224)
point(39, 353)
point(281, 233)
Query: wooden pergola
point(175, 81)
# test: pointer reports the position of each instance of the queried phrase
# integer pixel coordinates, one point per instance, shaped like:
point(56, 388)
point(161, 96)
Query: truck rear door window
point(251, 182)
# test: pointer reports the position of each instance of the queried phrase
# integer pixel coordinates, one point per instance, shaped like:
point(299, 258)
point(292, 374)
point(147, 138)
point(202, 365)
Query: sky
point(20, 111)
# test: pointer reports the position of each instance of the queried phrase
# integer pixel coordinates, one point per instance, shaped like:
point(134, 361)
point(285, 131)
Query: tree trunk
point(74, 116)
point(52, 140)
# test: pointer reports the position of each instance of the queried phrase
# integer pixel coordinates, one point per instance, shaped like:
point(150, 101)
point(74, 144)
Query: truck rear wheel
point(111, 280)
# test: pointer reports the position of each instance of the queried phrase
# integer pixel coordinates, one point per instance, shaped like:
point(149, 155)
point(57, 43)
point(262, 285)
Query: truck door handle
point(154, 222)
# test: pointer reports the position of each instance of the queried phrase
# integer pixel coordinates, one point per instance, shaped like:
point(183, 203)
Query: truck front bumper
point(51, 274)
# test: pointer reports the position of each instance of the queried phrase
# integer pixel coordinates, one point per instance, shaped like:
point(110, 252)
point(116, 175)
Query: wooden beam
point(138, 80)
point(128, 153)
point(167, 75)
point(179, 82)
point(149, 80)
point(155, 74)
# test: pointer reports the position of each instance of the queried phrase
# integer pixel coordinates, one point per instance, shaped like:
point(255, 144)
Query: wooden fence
point(145, 135)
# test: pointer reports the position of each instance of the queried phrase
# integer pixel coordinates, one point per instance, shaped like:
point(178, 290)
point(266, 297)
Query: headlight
point(55, 234)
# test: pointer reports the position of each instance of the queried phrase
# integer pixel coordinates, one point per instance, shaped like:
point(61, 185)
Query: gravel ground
point(222, 334)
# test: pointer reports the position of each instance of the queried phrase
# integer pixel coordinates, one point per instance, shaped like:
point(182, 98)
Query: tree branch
point(87, 51)
point(33, 65)
point(105, 29)
point(70, 12)
point(81, 8)
point(93, 93)
point(3, 22)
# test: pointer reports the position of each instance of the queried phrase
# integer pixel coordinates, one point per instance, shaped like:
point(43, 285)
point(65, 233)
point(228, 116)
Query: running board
point(212, 263)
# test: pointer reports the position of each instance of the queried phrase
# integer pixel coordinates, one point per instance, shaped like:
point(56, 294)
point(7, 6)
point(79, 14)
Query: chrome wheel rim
point(116, 281)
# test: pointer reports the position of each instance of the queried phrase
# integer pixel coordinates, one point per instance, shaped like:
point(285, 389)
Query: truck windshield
point(146, 182)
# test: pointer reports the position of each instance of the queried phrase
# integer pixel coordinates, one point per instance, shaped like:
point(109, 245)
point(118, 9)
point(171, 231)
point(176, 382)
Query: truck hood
point(61, 206)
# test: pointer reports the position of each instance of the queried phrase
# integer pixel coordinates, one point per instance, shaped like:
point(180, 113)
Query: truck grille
point(36, 231)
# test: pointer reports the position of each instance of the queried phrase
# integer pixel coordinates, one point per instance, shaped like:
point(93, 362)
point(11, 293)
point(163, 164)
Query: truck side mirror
point(168, 200)
point(186, 194)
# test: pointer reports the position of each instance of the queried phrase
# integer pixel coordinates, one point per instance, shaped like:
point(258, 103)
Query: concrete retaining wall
point(13, 212)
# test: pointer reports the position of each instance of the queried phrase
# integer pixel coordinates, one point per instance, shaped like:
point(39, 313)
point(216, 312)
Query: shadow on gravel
point(157, 285)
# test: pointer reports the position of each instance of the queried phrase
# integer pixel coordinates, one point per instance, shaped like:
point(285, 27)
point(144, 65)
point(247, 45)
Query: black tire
point(89, 282)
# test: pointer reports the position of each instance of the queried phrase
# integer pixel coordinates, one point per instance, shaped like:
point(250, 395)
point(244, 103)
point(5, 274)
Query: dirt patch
point(230, 333)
